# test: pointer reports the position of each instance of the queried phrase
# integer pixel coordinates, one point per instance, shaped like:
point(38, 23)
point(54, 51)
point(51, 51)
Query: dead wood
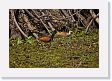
point(41, 21)
point(31, 28)
point(94, 15)
point(44, 21)
point(91, 22)
point(12, 12)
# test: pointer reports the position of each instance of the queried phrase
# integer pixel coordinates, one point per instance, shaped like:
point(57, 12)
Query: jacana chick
point(47, 38)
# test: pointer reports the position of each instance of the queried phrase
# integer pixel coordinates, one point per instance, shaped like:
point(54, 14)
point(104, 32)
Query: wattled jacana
point(47, 38)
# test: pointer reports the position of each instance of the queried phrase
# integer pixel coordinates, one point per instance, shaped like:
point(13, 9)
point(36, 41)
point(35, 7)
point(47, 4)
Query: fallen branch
point(94, 15)
point(91, 23)
point(12, 12)
point(71, 16)
point(82, 19)
point(41, 21)
point(28, 24)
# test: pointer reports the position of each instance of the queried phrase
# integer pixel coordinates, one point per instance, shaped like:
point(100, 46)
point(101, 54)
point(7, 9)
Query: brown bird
point(63, 34)
point(47, 38)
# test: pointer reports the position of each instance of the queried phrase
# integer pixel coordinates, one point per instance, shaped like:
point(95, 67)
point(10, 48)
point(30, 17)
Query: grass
point(79, 50)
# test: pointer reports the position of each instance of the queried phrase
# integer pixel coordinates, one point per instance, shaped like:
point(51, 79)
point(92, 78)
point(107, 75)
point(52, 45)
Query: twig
point(66, 15)
point(94, 15)
point(50, 25)
point(12, 12)
point(71, 16)
point(81, 18)
point(41, 21)
point(28, 24)
point(91, 23)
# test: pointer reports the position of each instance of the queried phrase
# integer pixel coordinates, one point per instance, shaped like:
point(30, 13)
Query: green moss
point(79, 50)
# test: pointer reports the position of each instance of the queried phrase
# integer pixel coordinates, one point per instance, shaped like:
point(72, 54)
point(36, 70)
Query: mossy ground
point(79, 50)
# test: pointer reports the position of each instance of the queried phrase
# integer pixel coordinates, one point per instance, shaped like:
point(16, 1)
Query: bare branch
point(91, 22)
point(12, 12)
point(28, 24)
point(94, 15)
point(41, 21)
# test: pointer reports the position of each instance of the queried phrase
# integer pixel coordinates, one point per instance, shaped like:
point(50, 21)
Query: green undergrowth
point(79, 50)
